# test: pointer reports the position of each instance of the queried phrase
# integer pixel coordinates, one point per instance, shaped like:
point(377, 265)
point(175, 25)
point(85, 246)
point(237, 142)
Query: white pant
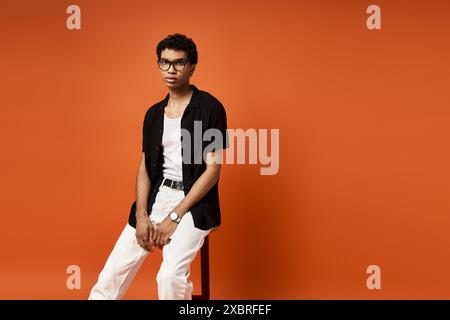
point(127, 255)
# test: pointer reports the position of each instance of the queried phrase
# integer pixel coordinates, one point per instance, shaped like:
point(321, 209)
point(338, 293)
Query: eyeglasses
point(178, 64)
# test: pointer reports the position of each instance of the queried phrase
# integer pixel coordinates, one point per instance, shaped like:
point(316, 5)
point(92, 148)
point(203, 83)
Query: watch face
point(173, 216)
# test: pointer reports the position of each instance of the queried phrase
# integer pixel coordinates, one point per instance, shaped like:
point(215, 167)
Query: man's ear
point(193, 68)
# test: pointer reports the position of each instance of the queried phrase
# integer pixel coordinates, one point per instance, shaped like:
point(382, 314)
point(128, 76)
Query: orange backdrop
point(363, 116)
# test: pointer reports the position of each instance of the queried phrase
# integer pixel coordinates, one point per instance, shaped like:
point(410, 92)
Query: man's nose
point(172, 69)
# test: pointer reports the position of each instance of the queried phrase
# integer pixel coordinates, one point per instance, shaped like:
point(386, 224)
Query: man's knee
point(170, 275)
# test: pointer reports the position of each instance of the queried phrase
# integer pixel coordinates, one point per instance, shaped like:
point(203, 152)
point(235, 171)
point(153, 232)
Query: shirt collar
point(193, 103)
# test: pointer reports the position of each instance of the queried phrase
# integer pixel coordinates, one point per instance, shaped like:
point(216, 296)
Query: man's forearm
point(142, 190)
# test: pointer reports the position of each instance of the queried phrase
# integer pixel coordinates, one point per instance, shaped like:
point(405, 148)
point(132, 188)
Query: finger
point(150, 234)
point(154, 234)
point(149, 245)
point(140, 240)
point(159, 238)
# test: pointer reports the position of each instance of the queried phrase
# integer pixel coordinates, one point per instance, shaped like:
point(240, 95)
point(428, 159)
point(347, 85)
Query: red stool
point(204, 270)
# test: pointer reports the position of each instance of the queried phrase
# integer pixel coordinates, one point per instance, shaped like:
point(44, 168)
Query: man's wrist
point(141, 214)
point(180, 210)
point(174, 216)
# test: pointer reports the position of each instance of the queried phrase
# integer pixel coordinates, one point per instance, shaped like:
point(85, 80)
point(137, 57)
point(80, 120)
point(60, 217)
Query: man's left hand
point(163, 231)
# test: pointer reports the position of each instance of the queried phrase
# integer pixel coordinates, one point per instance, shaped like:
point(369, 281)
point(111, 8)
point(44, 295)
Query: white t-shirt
point(171, 142)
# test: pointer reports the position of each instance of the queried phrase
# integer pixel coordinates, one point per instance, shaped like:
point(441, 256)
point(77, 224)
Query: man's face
point(178, 73)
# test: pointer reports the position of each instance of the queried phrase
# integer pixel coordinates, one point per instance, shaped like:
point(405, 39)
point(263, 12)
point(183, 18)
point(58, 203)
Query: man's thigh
point(185, 243)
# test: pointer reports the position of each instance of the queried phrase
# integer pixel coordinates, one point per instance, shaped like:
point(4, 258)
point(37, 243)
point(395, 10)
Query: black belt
point(173, 184)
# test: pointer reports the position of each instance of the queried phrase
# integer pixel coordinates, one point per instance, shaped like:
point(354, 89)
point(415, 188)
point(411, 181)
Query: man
point(177, 199)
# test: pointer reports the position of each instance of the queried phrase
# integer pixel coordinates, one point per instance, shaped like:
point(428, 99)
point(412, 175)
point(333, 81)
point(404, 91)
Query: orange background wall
point(363, 116)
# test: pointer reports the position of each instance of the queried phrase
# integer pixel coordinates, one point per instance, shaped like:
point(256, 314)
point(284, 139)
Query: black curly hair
point(178, 42)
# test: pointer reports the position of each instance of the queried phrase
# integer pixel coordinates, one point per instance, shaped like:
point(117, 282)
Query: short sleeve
point(219, 122)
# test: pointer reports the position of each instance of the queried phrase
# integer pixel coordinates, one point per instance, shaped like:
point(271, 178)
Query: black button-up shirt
point(202, 107)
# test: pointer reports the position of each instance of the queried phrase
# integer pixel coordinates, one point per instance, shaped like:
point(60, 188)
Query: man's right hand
point(144, 231)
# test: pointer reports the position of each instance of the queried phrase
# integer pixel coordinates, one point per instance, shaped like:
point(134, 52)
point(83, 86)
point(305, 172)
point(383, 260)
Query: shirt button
point(154, 165)
point(156, 147)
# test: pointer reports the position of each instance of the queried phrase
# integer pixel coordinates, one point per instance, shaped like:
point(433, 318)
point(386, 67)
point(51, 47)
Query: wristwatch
point(174, 217)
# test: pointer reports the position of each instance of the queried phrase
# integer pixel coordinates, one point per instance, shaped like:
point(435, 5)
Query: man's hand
point(163, 231)
point(144, 231)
